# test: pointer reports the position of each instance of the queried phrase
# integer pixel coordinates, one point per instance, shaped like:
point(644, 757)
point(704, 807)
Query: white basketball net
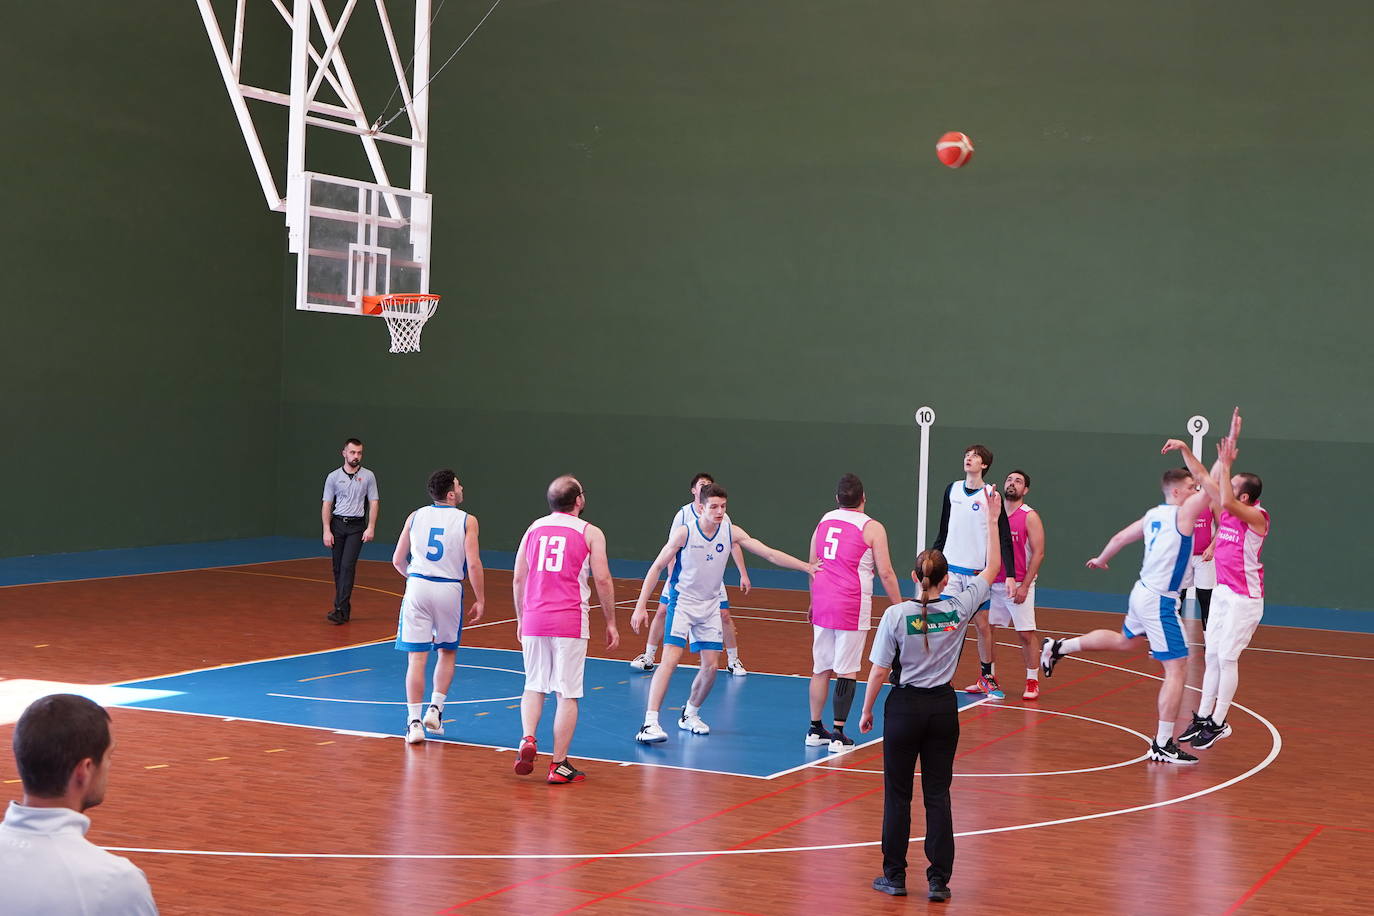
point(405, 317)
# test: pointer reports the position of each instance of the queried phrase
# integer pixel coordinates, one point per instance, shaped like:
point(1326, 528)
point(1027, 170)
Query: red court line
point(741, 845)
point(1273, 871)
point(591, 859)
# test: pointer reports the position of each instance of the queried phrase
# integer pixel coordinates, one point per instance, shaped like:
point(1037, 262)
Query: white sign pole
point(1197, 427)
point(925, 418)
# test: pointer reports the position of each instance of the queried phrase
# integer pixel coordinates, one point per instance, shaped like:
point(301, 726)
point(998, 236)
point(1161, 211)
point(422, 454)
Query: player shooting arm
point(476, 574)
point(605, 585)
point(1135, 531)
point(400, 557)
point(1207, 481)
point(1251, 515)
point(989, 574)
point(882, 560)
point(944, 521)
point(772, 555)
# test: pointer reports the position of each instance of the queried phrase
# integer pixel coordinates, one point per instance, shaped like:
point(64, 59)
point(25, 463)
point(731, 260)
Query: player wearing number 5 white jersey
point(1152, 612)
point(436, 551)
point(701, 551)
point(552, 600)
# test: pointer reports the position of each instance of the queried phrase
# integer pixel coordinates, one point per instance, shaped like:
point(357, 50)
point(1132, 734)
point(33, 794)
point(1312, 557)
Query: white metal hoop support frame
point(311, 69)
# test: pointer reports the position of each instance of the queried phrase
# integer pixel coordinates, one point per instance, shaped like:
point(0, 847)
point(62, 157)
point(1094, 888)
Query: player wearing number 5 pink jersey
point(852, 548)
point(551, 609)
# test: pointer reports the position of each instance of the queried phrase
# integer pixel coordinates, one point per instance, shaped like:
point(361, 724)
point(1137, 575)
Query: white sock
point(651, 717)
point(413, 711)
point(650, 651)
point(689, 710)
point(731, 654)
point(1032, 674)
point(1165, 733)
point(1070, 646)
point(437, 699)
point(1227, 680)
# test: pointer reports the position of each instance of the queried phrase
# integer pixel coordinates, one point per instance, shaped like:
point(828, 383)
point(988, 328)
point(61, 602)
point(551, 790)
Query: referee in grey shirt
point(919, 642)
point(348, 491)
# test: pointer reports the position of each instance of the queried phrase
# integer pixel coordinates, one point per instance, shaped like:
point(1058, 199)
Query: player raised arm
point(476, 574)
point(772, 555)
point(1208, 481)
point(882, 560)
point(400, 557)
point(1251, 515)
point(605, 585)
point(676, 541)
point(989, 573)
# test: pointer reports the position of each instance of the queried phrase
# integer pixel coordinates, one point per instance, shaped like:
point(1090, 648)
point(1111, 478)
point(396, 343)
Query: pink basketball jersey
point(1202, 532)
point(842, 591)
point(1019, 544)
point(557, 593)
point(1237, 555)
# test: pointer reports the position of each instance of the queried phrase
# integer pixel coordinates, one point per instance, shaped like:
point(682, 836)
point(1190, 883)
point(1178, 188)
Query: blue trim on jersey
point(1185, 556)
point(963, 570)
point(442, 506)
point(465, 551)
point(1173, 631)
point(703, 533)
point(430, 578)
point(677, 571)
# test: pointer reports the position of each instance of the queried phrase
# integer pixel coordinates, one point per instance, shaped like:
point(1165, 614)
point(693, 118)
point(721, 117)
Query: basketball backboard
point(359, 239)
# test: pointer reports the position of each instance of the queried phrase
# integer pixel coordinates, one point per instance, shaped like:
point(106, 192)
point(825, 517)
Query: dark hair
point(1024, 475)
point(931, 568)
point(1251, 484)
point(563, 493)
point(1174, 476)
point(982, 451)
point(348, 442)
point(440, 482)
point(700, 475)
point(713, 489)
point(55, 734)
point(849, 492)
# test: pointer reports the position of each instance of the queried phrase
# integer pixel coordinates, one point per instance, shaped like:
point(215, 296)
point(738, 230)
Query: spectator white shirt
point(47, 866)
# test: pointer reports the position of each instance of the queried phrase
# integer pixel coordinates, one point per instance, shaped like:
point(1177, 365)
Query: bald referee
point(348, 491)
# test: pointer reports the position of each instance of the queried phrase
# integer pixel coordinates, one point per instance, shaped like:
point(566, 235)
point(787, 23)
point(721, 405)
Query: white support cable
point(396, 64)
point(425, 85)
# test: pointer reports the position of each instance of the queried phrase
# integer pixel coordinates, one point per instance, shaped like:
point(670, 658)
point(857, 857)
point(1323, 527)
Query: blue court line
point(758, 723)
point(100, 564)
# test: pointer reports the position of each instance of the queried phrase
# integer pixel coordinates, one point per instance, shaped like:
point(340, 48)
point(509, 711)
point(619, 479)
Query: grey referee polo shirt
point(350, 493)
point(944, 626)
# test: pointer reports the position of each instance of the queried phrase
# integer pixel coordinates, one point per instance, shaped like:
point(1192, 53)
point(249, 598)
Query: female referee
point(920, 641)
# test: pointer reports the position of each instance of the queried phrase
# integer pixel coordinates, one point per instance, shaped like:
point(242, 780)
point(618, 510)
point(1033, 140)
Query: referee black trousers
point(919, 722)
point(348, 543)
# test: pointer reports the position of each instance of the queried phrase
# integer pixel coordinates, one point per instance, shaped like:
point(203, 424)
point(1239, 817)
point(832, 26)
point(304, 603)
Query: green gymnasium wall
point(140, 351)
point(705, 235)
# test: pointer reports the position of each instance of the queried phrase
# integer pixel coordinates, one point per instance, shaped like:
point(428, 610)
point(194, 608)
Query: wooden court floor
point(1276, 818)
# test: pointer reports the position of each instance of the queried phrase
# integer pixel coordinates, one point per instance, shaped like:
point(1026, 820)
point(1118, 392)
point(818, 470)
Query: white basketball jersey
point(700, 564)
point(966, 543)
point(438, 543)
point(1167, 553)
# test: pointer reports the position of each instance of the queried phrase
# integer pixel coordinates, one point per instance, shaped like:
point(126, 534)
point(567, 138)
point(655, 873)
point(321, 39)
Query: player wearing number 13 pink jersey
point(551, 608)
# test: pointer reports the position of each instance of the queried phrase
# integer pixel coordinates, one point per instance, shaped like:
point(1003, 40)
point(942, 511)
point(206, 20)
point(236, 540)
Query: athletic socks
point(1070, 646)
point(815, 723)
point(651, 717)
point(689, 710)
point(650, 651)
point(731, 654)
point(987, 668)
point(1165, 733)
point(437, 699)
point(1032, 674)
point(413, 711)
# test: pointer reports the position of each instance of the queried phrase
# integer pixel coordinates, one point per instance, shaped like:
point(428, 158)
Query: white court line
point(1275, 747)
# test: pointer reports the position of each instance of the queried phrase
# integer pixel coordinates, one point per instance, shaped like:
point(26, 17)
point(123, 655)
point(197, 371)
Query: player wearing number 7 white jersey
point(436, 550)
point(551, 609)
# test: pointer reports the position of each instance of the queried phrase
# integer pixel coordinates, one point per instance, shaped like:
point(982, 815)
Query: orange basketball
point(954, 149)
